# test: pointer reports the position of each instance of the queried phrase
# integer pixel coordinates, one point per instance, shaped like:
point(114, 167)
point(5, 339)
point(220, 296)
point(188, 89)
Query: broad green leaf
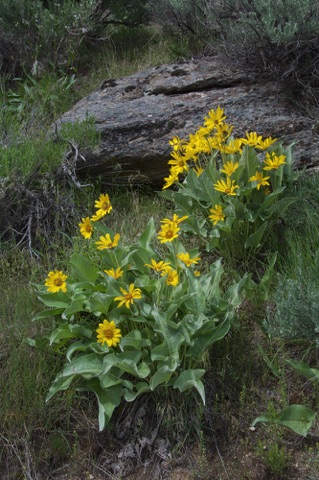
point(191, 379)
point(67, 331)
point(83, 269)
point(162, 375)
point(134, 339)
point(48, 313)
point(55, 300)
point(206, 336)
point(304, 369)
point(140, 387)
point(108, 399)
point(77, 305)
point(298, 418)
point(172, 338)
point(253, 241)
point(79, 346)
point(147, 235)
point(100, 302)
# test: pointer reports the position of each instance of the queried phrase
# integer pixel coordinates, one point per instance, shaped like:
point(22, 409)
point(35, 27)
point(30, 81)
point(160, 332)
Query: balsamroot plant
point(135, 318)
point(231, 189)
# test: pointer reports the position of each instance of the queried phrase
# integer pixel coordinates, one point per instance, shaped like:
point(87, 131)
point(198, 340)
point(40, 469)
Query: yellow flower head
point(227, 186)
point(157, 266)
point(168, 233)
point(233, 146)
point(198, 170)
point(103, 205)
point(263, 144)
point(176, 143)
point(171, 276)
point(229, 168)
point(197, 273)
point(260, 179)
point(175, 220)
point(185, 258)
point(56, 281)
point(86, 227)
point(179, 162)
point(107, 242)
point(108, 333)
point(224, 130)
point(272, 162)
point(252, 139)
point(172, 178)
point(215, 118)
point(114, 273)
point(216, 214)
point(128, 296)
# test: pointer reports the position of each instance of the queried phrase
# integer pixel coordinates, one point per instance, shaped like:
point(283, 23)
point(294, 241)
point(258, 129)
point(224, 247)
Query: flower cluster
point(214, 137)
point(103, 206)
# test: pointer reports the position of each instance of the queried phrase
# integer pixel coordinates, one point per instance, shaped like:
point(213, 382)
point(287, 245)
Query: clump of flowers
point(230, 190)
point(133, 319)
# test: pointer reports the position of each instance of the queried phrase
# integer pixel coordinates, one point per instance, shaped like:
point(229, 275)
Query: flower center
point(128, 296)
point(58, 282)
point(88, 228)
point(108, 333)
point(228, 191)
point(169, 234)
point(105, 206)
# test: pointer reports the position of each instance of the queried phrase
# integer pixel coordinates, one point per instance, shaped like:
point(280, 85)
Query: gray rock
point(137, 116)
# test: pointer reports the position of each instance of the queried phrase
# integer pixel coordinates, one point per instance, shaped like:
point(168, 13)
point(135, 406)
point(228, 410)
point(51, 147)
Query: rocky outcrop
point(138, 115)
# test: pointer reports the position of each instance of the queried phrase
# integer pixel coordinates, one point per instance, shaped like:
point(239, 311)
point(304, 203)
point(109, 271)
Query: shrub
point(231, 191)
point(135, 318)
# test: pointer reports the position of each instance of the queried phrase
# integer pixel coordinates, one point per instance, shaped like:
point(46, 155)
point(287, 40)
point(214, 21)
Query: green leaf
point(83, 269)
point(108, 399)
point(296, 417)
point(100, 302)
point(77, 305)
point(162, 375)
point(140, 387)
point(67, 331)
point(191, 379)
point(206, 336)
point(87, 366)
point(57, 300)
point(48, 314)
point(148, 234)
point(253, 241)
point(304, 369)
point(172, 338)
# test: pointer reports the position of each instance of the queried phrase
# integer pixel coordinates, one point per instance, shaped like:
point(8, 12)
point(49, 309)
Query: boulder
point(137, 116)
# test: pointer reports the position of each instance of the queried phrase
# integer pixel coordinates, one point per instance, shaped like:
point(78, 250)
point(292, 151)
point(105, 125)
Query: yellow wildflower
point(114, 273)
point(227, 186)
point(215, 118)
point(168, 232)
point(179, 162)
point(157, 266)
point(185, 258)
point(108, 333)
point(128, 296)
point(252, 139)
point(103, 205)
point(107, 242)
point(176, 143)
point(173, 178)
point(216, 214)
point(263, 144)
point(172, 276)
point(56, 281)
point(273, 162)
point(229, 168)
point(260, 179)
point(175, 220)
point(198, 170)
point(86, 228)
